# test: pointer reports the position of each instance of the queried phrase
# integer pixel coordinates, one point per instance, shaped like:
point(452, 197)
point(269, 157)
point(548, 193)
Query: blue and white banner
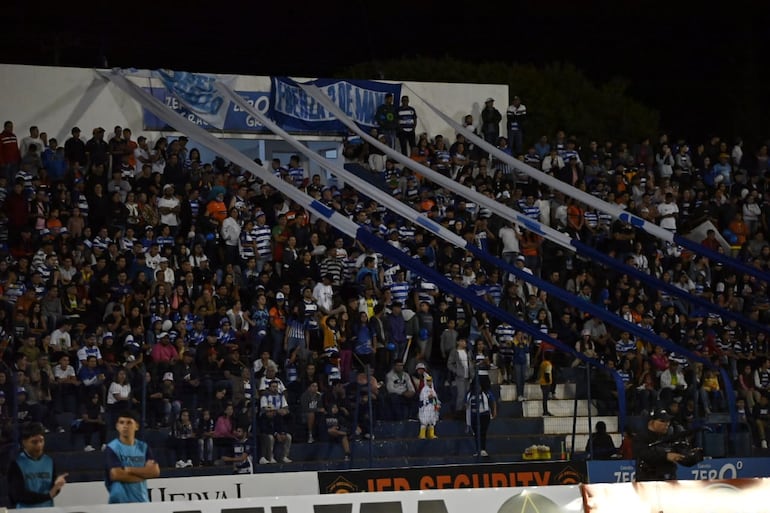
point(236, 119)
point(622, 471)
point(296, 111)
point(198, 93)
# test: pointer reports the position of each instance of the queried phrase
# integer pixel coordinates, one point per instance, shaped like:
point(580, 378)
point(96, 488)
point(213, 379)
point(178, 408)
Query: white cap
point(168, 376)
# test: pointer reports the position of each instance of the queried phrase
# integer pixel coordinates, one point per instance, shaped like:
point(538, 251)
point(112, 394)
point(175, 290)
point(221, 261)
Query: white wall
point(56, 99)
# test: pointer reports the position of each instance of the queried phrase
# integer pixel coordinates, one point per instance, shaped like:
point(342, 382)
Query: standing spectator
point(545, 379)
point(461, 371)
point(75, 152)
point(480, 410)
point(129, 463)
point(183, 440)
point(430, 406)
point(516, 115)
point(490, 122)
point(10, 155)
point(35, 138)
point(32, 478)
point(387, 120)
point(407, 124)
point(401, 393)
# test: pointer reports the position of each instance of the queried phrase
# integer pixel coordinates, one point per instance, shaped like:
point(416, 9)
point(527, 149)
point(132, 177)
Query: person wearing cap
point(33, 480)
point(490, 122)
point(655, 459)
point(129, 462)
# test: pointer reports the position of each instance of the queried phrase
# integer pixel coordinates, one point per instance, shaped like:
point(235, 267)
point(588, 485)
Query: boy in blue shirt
point(129, 463)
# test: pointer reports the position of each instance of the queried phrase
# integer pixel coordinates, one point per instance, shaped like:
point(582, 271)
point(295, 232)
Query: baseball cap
point(279, 295)
point(420, 366)
point(489, 100)
point(169, 376)
point(661, 414)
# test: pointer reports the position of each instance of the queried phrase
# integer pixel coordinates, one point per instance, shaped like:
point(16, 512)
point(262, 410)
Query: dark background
point(702, 66)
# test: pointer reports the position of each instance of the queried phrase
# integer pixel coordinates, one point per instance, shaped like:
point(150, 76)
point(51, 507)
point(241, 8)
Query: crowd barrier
point(745, 495)
point(448, 477)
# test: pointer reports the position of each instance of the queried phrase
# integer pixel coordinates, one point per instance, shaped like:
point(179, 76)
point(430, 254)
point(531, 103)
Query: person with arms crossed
point(129, 463)
point(32, 478)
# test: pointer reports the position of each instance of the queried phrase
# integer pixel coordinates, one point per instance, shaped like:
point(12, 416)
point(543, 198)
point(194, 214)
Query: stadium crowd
point(133, 275)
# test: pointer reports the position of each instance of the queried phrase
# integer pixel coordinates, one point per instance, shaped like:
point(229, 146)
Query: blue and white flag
point(296, 111)
point(198, 93)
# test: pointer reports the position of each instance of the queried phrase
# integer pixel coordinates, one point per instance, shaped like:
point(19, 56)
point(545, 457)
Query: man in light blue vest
point(31, 479)
point(129, 463)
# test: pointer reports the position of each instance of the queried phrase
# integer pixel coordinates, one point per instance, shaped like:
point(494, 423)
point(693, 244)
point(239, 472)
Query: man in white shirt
point(668, 212)
point(169, 208)
point(60, 337)
point(323, 293)
point(32, 138)
point(141, 155)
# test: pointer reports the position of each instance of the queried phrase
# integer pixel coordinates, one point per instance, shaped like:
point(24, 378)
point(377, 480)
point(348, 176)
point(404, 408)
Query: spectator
point(183, 441)
point(33, 481)
point(92, 421)
point(600, 445)
point(401, 393)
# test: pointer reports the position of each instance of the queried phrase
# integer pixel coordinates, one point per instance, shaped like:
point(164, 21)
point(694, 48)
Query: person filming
point(656, 460)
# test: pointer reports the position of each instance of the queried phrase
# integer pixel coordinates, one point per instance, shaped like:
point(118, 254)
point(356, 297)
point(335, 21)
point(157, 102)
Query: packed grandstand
point(135, 275)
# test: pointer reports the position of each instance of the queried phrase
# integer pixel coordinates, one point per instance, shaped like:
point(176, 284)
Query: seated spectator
point(204, 432)
point(224, 430)
point(337, 429)
point(600, 445)
point(240, 452)
point(272, 426)
point(91, 422)
point(311, 406)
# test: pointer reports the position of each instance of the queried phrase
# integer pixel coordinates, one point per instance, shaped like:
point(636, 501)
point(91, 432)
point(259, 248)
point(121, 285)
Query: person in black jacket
point(655, 459)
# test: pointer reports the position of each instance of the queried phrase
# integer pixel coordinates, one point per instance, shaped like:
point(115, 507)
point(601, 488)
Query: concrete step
point(533, 391)
point(558, 407)
point(556, 425)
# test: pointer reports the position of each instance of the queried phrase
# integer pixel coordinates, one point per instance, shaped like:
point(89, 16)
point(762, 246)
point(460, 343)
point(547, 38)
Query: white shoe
point(484, 453)
point(104, 446)
point(89, 448)
point(188, 463)
point(180, 464)
point(286, 459)
point(272, 460)
point(763, 444)
point(263, 460)
point(310, 439)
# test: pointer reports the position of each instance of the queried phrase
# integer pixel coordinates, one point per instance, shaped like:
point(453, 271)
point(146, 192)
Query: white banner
point(546, 499)
point(200, 488)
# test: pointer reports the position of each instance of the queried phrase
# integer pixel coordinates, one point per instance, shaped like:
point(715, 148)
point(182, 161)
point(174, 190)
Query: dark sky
point(688, 61)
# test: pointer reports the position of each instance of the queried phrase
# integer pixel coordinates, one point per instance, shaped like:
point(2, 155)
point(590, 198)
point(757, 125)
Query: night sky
point(693, 63)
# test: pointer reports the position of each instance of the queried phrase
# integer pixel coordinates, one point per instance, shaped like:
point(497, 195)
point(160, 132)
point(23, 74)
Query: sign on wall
point(454, 476)
point(622, 471)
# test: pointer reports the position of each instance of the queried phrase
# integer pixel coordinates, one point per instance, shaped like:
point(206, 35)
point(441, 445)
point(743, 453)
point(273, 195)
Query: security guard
point(655, 459)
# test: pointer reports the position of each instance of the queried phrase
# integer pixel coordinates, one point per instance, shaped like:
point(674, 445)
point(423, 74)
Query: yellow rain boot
point(421, 436)
point(432, 432)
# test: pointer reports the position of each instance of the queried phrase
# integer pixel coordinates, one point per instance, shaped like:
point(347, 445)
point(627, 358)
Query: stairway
point(562, 407)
